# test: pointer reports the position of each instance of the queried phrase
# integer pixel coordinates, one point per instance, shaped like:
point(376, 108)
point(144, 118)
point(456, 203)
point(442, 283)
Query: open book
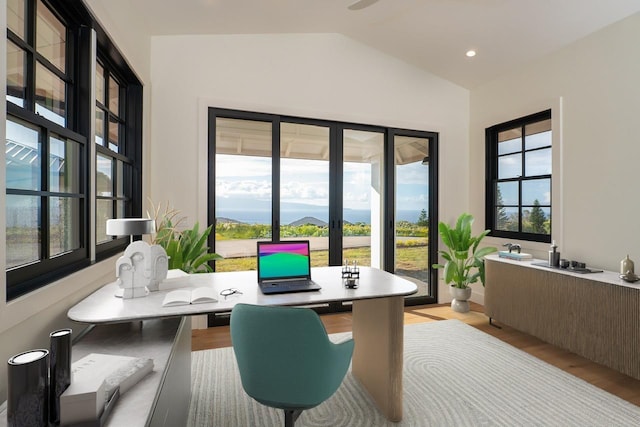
point(198, 295)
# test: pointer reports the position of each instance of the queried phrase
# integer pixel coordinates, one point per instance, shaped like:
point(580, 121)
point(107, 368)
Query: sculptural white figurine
point(141, 269)
point(124, 273)
point(159, 267)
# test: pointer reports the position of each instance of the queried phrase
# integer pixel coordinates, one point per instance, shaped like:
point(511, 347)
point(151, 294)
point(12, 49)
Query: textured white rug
point(454, 375)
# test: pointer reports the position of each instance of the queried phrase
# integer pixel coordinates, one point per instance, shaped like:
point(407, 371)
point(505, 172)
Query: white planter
point(460, 301)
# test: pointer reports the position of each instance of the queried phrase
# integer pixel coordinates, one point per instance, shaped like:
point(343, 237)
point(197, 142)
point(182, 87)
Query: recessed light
point(471, 53)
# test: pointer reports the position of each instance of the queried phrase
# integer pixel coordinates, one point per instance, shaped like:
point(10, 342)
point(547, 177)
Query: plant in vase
point(187, 249)
point(464, 261)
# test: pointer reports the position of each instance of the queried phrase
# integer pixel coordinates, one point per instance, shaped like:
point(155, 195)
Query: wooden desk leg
point(378, 332)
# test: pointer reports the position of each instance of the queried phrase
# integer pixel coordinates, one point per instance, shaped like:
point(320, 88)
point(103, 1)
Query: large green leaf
point(485, 251)
point(198, 246)
point(449, 271)
point(478, 239)
point(445, 234)
point(203, 259)
point(463, 226)
point(446, 255)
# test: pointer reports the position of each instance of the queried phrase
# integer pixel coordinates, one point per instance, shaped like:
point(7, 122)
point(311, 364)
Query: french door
point(360, 194)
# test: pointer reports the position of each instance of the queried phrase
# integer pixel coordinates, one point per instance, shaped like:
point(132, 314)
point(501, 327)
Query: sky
point(307, 181)
point(536, 162)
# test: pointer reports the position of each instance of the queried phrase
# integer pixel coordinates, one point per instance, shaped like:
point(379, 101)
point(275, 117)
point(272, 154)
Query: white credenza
point(595, 315)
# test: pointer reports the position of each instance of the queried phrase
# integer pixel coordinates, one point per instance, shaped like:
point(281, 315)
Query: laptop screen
point(283, 260)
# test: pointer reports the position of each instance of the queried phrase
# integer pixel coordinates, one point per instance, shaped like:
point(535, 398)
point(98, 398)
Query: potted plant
point(187, 250)
point(464, 261)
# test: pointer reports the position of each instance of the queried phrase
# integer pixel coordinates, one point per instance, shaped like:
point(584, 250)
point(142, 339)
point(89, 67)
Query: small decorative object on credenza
point(143, 266)
point(627, 266)
point(554, 255)
point(350, 275)
point(59, 370)
point(28, 389)
point(627, 271)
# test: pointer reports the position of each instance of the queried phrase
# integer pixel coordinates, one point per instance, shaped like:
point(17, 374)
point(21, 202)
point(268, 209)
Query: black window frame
point(491, 180)
point(79, 114)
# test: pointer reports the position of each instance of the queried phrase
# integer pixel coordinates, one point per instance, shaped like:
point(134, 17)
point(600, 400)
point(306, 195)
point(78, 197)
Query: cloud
point(244, 188)
point(412, 173)
point(242, 166)
point(315, 193)
point(307, 181)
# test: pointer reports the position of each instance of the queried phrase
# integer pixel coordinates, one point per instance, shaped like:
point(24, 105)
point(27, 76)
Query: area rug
point(454, 375)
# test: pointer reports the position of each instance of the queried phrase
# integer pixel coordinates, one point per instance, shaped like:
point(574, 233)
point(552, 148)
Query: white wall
point(593, 89)
point(25, 322)
point(326, 76)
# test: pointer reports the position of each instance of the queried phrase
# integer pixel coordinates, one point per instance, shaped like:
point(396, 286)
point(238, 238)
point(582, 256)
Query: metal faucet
point(513, 246)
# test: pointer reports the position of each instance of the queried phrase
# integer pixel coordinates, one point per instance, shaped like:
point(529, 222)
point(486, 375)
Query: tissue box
point(83, 400)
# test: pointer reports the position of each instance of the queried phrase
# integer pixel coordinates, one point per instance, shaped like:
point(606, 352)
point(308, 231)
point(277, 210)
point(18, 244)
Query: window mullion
point(276, 220)
point(30, 90)
point(30, 17)
point(523, 169)
point(30, 66)
point(114, 188)
point(523, 173)
point(69, 77)
point(45, 198)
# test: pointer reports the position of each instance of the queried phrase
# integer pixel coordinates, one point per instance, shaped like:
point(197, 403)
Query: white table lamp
point(143, 266)
point(130, 227)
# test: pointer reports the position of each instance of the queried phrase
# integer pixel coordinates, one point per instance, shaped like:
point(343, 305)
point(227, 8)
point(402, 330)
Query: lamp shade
point(130, 226)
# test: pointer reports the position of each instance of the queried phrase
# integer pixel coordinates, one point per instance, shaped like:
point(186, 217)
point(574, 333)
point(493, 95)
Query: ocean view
point(289, 216)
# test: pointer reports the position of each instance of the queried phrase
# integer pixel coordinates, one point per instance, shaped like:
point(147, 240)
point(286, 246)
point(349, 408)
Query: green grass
point(408, 259)
point(231, 231)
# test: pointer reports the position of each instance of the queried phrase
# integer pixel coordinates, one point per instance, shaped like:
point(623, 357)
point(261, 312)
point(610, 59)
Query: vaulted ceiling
point(431, 34)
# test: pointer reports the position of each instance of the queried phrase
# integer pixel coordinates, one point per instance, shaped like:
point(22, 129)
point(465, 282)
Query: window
point(519, 178)
point(47, 152)
point(114, 159)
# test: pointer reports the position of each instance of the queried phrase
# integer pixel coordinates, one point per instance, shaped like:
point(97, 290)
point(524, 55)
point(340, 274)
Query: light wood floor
point(605, 378)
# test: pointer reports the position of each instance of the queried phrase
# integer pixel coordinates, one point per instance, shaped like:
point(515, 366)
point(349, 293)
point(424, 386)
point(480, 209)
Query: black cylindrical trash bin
point(59, 370)
point(28, 389)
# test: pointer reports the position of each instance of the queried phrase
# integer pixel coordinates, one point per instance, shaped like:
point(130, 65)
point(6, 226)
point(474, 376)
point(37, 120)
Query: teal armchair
point(285, 357)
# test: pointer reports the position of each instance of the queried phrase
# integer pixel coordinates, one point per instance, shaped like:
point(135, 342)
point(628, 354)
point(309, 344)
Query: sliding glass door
point(358, 193)
point(411, 155)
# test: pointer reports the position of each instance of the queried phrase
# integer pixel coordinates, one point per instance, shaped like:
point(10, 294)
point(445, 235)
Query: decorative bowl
point(630, 277)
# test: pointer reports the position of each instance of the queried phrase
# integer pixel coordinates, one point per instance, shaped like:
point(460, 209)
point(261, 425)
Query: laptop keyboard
point(291, 284)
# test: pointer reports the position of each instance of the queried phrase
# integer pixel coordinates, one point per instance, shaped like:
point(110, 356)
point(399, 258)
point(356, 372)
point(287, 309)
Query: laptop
point(285, 267)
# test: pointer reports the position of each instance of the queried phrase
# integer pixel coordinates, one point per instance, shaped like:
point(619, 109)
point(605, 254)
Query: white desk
point(378, 317)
